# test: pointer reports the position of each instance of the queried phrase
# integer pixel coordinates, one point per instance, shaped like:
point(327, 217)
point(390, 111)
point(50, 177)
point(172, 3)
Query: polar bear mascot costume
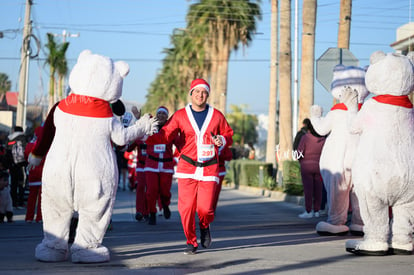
point(383, 169)
point(80, 172)
point(337, 153)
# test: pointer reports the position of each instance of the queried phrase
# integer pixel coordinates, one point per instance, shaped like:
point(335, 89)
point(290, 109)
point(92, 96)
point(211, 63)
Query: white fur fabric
point(80, 172)
point(383, 170)
point(338, 152)
point(335, 164)
point(98, 76)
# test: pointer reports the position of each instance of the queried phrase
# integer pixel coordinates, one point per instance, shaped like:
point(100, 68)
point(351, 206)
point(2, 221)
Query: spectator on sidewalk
point(310, 148)
point(305, 127)
point(6, 206)
point(15, 146)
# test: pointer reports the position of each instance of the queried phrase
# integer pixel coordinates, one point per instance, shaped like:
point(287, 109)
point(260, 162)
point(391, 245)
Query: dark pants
point(312, 185)
point(17, 184)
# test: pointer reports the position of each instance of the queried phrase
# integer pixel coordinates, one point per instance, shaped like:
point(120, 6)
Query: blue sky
point(137, 31)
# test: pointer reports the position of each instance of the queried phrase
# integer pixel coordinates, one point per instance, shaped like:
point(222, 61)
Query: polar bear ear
point(84, 54)
point(376, 56)
point(122, 67)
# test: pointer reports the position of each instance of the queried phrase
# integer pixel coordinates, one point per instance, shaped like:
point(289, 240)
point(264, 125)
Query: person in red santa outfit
point(140, 200)
point(35, 181)
point(203, 131)
point(159, 170)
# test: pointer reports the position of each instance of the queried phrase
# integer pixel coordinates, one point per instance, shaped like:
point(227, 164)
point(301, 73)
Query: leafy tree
point(214, 27)
point(223, 25)
point(57, 62)
point(5, 83)
point(244, 125)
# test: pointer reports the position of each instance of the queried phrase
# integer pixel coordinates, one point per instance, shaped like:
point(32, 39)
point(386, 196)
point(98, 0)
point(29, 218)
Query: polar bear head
point(351, 76)
point(98, 76)
point(391, 74)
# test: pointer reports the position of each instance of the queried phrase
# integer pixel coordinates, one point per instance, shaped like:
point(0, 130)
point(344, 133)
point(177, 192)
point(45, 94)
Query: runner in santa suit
point(141, 201)
point(159, 170)
point(132, 159)
point(203, 132)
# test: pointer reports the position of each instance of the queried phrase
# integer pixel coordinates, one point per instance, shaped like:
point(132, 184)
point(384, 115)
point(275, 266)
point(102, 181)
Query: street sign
point(328, 60)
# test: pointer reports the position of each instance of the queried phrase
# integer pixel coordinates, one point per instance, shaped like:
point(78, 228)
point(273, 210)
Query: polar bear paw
point(44, 253)
point(366, 247)
point(349, 97)
point(98, 254)
point(148, 124)
point(401, 249)
point(327, 229)
point(316, 111)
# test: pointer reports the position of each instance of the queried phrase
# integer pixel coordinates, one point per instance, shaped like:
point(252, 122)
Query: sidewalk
point(251, 235)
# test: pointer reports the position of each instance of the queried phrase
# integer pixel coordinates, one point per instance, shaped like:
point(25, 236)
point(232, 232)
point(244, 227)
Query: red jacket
point(35, 174)
point(199, 156)
point(142, 154)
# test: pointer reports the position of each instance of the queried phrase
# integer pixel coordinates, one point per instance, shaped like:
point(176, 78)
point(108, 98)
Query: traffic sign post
point(328, 60)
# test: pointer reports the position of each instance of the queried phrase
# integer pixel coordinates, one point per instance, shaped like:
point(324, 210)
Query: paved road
point(251, 235)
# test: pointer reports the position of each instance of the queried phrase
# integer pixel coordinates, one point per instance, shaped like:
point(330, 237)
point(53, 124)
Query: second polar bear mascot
point(337, 153)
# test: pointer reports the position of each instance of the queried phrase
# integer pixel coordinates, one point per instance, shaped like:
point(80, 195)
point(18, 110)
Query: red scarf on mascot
point(397, 100)
point(87, 106)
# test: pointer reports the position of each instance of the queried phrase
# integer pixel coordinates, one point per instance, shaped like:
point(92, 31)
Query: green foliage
point(5, 83)
point(56, 59)
point(207, 36)
point(246, 172)
point(270, 183)
point(250, 173)
point(243, 125)
point(292, 180)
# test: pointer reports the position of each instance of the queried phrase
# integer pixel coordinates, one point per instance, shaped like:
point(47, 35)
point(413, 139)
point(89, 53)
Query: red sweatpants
point(141, 201)
point(158, 186)
point(34, 195)
point(194, 195)
point(217, 193)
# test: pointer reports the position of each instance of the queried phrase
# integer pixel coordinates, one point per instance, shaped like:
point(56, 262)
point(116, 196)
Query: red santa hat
point(199, 83)
point(162, 109)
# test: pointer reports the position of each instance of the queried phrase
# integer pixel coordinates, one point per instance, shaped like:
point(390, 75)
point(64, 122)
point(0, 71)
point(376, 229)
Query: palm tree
point(224, 24)
point(62, 70)
point(308, 58)
point(5, 83)
point(55, 59)
point(271, 132)
point(344, 24)
point(285, 78)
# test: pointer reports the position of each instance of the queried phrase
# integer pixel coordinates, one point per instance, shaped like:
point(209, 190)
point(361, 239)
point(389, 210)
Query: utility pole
point(24, 68)
point(344, 30)
point(271, 131)
point(66, 34)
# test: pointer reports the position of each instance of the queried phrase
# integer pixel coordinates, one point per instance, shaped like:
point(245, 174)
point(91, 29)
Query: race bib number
point(159, 148)
point(143, 152)
point(206, 152)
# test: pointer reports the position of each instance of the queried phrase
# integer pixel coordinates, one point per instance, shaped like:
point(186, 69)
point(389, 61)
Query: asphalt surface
point(251, 235)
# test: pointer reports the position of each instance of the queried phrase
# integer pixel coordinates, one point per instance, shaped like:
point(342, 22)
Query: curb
point(275, 195)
